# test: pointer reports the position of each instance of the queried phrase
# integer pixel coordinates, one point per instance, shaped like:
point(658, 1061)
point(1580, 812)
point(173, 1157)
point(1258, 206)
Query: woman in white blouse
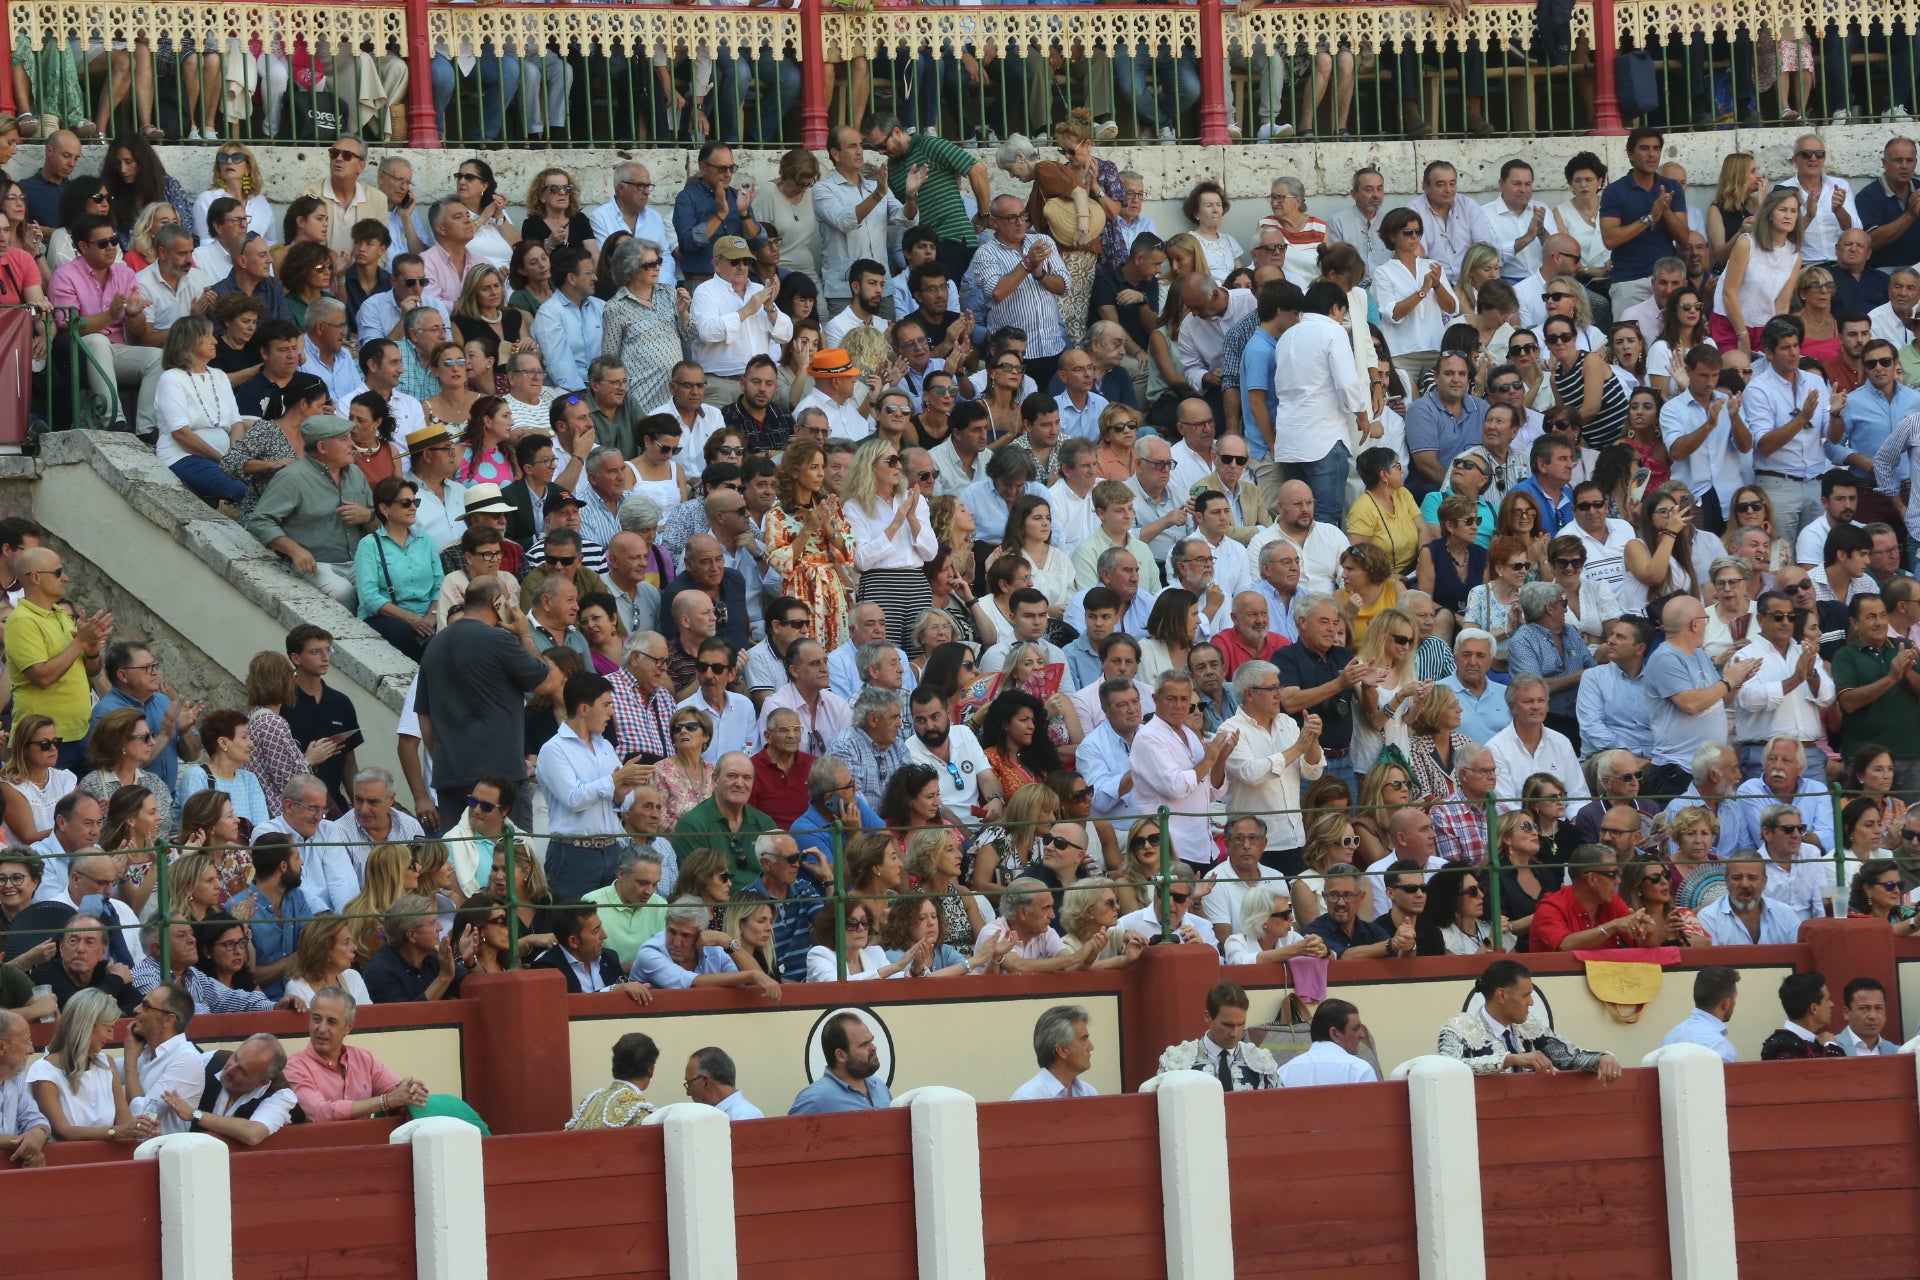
point(893, 536)
point(866, 958)
point(1206, 208)
point(1267, 933)
point(1413, 296)
point(195, 412)
point(1030, 533)
point(76, 1086)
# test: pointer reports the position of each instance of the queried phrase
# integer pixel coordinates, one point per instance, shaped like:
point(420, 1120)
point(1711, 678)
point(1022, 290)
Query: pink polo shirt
point(75, 285)
point(328, 1093)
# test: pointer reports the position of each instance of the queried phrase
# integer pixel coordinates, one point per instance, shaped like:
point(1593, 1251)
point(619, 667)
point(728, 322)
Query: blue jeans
point(1160, 87)
point(929, 79)
point(499, 84)
point(770, 81)
point(205, 479)
point(573, 872)
point(1328, 480)
point(1342, 767)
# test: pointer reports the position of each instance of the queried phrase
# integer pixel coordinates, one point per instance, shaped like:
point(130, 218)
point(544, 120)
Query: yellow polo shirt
point(35, 634)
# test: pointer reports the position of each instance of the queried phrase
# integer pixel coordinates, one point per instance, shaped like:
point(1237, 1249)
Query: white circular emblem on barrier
point(882, 1043)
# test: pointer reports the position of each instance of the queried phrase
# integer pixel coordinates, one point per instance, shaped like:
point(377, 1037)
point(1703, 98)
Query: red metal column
point(1606, 47)
point(6, 62)
point(813, 78)
point(422, 130)
point(1213, 75)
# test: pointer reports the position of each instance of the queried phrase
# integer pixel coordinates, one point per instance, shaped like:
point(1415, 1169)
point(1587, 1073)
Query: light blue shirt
point(653, 965)
point(829, 1094)
point(989, 509)
point(1870, 419)
point(1769, 401)
point(1103, 759)
point(576, 776)
point(1083, 664)
point(1084, 423)
point(1715, 465)
point(1256, 374)
point(342, 377)
point(1676, 735)
point(1280, 619)
point(1703, 1028)
point(843, 677)
point(1481, 715)
point(1613, 712)
point(568, 335)
point(381, 312)
point(1779, 924)
point(1814, 802)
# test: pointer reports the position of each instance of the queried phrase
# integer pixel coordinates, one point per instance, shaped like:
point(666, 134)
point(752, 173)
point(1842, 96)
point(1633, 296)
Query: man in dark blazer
point(582, 957)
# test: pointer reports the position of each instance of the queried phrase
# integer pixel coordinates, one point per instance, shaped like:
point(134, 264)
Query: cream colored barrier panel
point(983, 1048)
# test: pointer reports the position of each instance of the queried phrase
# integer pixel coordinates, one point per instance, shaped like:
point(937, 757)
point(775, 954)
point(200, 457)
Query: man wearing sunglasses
point(1798, 872)
point(1588, 913)
point(346, 198)
point(112, 324)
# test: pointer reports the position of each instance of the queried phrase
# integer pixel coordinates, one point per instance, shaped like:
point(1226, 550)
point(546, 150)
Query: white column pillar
point(1195, 1193)
point(701, 1244)
point(949, 1227)
point(196, 1205)
point(1446, 1168)
point(449, 1198)
point(1693, 1138)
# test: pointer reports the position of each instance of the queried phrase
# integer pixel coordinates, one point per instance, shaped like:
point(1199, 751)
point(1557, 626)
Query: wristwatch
point(198, 1115)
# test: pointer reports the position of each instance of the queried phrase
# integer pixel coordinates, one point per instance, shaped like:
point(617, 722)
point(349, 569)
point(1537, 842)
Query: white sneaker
point(931, 132)
point(1269, 131)
point(1233, 127)
point(193, 135)
point(1840, 116)
point(1899, 115)
point(1167, 137)
point(1105, 131)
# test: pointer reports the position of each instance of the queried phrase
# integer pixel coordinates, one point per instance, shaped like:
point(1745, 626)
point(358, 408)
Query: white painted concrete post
point(1693, 1137)
point(950, 1232)
point(700, 1228)
point(196, 1205)
point(1195, 1194)
point(449, 1198)
point(1446, 1168)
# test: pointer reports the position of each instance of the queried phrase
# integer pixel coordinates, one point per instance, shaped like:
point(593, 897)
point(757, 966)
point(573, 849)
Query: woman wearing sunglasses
point(1454, 920)
point(893, 537)
point(1648, 886)
point(121, 748)
point(397, 571)
point(685, 779)
point(1879, 893)
point(1523, 881)
point(33, 781)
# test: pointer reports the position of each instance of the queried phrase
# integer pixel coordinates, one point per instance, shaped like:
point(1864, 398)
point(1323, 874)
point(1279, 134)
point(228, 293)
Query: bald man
point(23, 1129)
point(1688, 697)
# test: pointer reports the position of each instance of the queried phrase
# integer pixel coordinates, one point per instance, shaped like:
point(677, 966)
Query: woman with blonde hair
point(1699, 876)
point(1090, 905)
point(1380, 720)
point(1735, 202)
point(809, 540)
point(1438, 746)
point(1523, 881)
point(1762, 268)
point(193, 888)
point(748, 920)
point(75, 1085)
point(1479, 265)
point(390, 874)
point(934, 863)
point(893, 535)
point(481, 312)
point(453, 403)
point(554, 216)
point(1114, 459)
point(1003, 849)
point(325, 957)
point(34, 782)
point(1331, 839)
point(140, 250)
point(1820, 330)
point(1140, 865)
point(1387, 786)
point(532, 896)
point(237, 174)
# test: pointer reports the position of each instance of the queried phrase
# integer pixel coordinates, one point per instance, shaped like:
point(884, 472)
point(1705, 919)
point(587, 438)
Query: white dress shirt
point(1447, 239)
point(329, 881)
point(1202, 337)
point(1046, 1086)
point(1260, 781)
point(1073, 515)
point(576, 776)
point(1315, 377)
point(723, 342)
point(170, 304)
point(848, 421)
point(1769, 401)
point(1163, 760)
point(1761, 710)
point(1319, 554)
point(1798, 884)
point(1325, 1062)
point(171, 1067)
point(275, 1110)
point(1716, 465)
point(873, 548)
point(1555, 755)
point(950, 475)
point(1508, 227)
point(1822, 229)
point(650, 225)
point(735, 728)
point(845, 239)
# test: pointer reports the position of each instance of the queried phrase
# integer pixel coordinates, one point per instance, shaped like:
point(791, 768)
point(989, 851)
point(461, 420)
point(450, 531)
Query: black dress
point(579, 231)
point(513, 323)
point(1449, 589)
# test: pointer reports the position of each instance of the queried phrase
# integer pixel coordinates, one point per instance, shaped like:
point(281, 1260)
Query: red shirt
point(781, 796)
point(1561, 913)
point(1234, 650)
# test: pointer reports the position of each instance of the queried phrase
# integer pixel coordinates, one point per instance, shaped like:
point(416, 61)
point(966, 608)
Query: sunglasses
point(1061, 842)
point(1751, 506)
point(1654, 877)
point(857, 922)
point(1472, 891)
point(1879, 362)
point(1891, 886)
point(923, 476)
point(1178, 899)
point(45, 744)
point(230, 157)
point(891, 460)
point(1282, 915)
point(343, 153)
point(1559, 297)
point(1523, 348)
point(1811, 155)
point(1791, 828)
point(1406, 888)
point(1401, 640)
point(1503, 388)
point(688, 726)
point(1150, 841)
point(1570, 562)
point(1230, 460)
point(714, 668)
point(484, 806)
point(1077, 797)
point(564, 562)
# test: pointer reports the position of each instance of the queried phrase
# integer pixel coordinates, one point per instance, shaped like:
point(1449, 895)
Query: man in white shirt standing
point(1223, 1052)
point(1706, 437)
point(1265, 769)
point(734, 320)
point(1064, 1048)
point(628, 211)
point(1787, 412)
point(1451, 225)
point(1518, 221)
point(1212, 310)
point(1785, 696)
point(1827, 201)
point(586, 788)
point(856, 212)
point(1327, 403)
point(1335, 1034)
point(1171, 766)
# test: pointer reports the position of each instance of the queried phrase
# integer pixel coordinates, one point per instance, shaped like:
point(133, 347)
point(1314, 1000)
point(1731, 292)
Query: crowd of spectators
point(1425, 641)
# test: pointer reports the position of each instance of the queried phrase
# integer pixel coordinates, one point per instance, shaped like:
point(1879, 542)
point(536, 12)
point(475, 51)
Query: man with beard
point(1747, 915)
point(279, 911)
point(853, 1064)
point(969, 789)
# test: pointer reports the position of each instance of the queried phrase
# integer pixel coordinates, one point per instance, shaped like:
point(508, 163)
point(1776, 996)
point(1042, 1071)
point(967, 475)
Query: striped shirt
point(1031, 306)
point(942, 205)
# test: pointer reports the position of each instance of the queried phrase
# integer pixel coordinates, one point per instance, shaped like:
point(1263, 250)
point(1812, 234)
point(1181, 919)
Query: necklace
point(212, 414)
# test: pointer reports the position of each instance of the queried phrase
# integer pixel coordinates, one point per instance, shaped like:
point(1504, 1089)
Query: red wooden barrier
point(1071, 1190)
point(97, 1223)
point(295, 1137)
point(582, 1206)
point(1322, 1183)
point(1826, 1167)
point(825, 1197)
point(338, 1213)
point(1572, 1180)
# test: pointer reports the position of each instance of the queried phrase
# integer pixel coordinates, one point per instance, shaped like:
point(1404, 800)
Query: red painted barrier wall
point(1572, 1180)
point(336, 1213)
point(577, 1205)
point(97, 1223)
point(1071, 1190)
point(1322, 1183)
point(825, 1197)
point(1826, 1168)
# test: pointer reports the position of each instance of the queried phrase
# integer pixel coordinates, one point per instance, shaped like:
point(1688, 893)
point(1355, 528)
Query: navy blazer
point(612, 971)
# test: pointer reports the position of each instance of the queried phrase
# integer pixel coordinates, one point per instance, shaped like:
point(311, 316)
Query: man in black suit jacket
point(582, 956)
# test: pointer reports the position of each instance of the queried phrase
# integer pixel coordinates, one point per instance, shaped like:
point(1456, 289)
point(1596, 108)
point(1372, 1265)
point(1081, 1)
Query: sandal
point(86, 129)
point(29, 126)
point(153, 133)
